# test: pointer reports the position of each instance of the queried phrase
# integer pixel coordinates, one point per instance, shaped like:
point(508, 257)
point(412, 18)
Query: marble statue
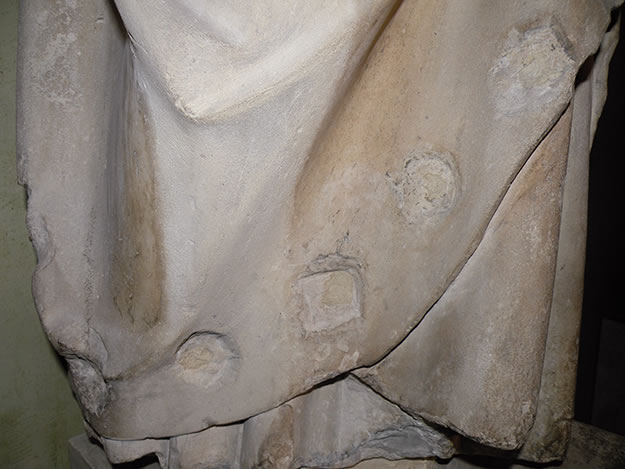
point(288, 234)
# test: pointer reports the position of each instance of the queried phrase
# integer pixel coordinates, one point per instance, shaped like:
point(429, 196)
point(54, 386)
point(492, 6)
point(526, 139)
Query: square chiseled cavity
point(329, 299)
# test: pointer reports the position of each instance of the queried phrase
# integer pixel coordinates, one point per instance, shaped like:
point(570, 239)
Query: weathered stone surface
point(590, 447)
point(236, 202)
point(83, 454)
point(403, 464)
point(135, 256)
point(473, 363)
point(550, 433)
point(119, 451)
point(336, 425)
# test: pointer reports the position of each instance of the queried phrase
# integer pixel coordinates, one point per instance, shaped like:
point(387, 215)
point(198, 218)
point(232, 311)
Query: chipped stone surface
point(89, 385)
point(233, 204)
point(207, 359)
point(119, 451)
point(329, 299)
point(533, 68)
point(216, 447)
point(427, 186)
point(333, 426)
point(85, 454)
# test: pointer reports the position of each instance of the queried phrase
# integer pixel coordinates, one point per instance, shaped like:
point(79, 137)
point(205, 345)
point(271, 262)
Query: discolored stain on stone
point(428, 186)
point(137, 270)
point(278, 449)
point(89, 386)
point(206, 359)
point(329, 298)
point(533, 69)
point(338, 289)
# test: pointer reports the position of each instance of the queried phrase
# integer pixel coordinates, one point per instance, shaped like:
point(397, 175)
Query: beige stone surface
point(473, 363)
point(590, 447)
point(85, 454)
point(550, 433)
point(37, 410)
point(385, 464)
point(333, 426)
point(234, 203)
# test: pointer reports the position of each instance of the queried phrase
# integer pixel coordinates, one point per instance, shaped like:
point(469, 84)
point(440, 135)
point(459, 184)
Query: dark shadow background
point(600, 395)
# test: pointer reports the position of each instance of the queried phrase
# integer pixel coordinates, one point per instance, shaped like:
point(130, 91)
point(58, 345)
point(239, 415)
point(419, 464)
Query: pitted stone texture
point(428, 186)
point(330, 293)
point(330, 299)
point(534, 68)
point(207, 359)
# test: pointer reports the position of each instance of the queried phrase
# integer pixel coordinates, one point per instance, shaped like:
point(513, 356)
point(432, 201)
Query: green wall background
point(37, 410)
